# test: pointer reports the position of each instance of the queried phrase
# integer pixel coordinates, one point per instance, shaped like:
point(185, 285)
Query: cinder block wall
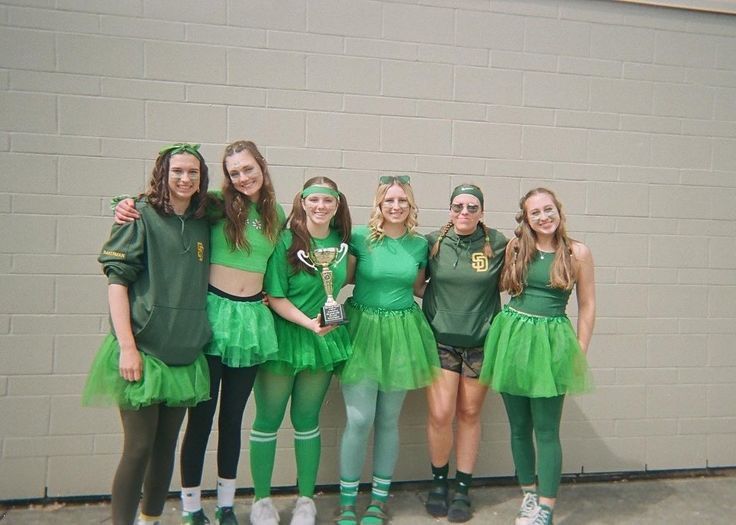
point(628, 111)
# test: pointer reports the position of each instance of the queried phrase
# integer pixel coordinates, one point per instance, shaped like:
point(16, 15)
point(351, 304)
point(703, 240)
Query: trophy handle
point(341, 253)
point(303, 257)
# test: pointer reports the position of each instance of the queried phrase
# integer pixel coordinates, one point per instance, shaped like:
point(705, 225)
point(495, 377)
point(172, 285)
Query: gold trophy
point(332, 312)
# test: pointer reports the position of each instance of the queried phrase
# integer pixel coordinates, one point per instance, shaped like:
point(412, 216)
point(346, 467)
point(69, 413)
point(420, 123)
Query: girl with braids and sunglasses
point(393, 347)
point(460, 299)
point(533, 355)
point(151, 365)
point(245, 223)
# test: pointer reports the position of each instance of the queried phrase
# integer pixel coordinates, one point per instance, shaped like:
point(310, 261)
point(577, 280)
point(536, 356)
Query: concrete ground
point(692, 500)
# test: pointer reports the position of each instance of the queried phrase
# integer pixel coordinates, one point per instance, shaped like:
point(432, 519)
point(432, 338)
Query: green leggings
point(149, 443)
point(307, 390)
point(541, 417)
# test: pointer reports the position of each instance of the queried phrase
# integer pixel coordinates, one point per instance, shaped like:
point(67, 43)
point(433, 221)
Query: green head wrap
point(326, 190)
point(181, 147)
point(468, 189)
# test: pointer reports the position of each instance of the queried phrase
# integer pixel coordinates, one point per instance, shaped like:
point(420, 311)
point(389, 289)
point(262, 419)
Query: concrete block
point(646, 427)
point(227, 35)
point(489, 30)
point(73, 354)
point(488, 85)
point(115, 57)
point(683, 101)
point(452, 110)
point(334, 17)
point(306, 42)
point(642, 174)
point(619, 250)
point(556, 91)
point(720, 450)
point(91, 116)
point(13, 424)
point(378, 161)
point(465, 168)
point(631, 402)
point(28, 173)
point(682, 49)
point(271, 126)
point(144, 28)
point(305, 157)
point(26, 354)
point(101, 467)
point(50, 144)
point(29, 385)
point(448, 54)
point(278, 69)
point(619, 351)
point(21, 80)
point(55, 205)
point(722, 301)
point(605, 454)
point(224, 95)
point(646, 275)
point(22, 478)
point(692, 203)
point(650, 124)
point(69, 417)
point(26, 294)
point(709, 128)
point(583, 11)
point(653, 72)
point(587, 119)
point(523, 61)
point(205, 64)
point(615, 300)
point(586, 172)
point(29, 112)
point(122, 7)
point(679, 301)
point(646, 376)
point(46, 446)
point(432, 191)
point(611, 147)
point(341, 131)
point(725, 55)
point(377, 48)
point(214, 12)
point(167, 121)
point(666, 452)
point(288, 15)
point(82, 235)
point(627, 44)
point(724, 155)
point(621, 96)
point(82, 176)
point(378, 105)
point(408, 135)
point(476, 139)
point(668, 251)
point(80, 294)
point(418, 23)
point(557, 37)
point(344, 74)
point(143, 89)
point(554, 144)
point(417, 80)
point(676, 350)
point(27, 49)
point(520, 115)
point(52, 325)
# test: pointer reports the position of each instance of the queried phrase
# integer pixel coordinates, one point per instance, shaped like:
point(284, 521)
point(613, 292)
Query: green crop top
point(538, 296)
point(261, 247)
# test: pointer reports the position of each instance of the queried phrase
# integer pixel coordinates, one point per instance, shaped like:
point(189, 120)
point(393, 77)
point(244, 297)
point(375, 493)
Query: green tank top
point(538, 297)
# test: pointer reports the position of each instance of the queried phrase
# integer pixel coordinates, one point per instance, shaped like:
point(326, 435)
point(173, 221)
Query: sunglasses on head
point(388, 179)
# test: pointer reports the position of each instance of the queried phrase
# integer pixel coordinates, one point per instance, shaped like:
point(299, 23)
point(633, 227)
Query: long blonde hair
point(375, 223)
point(523, 247)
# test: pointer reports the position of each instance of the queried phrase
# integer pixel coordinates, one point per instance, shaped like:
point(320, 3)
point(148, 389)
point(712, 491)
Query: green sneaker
point(194, 518)
point(225, 516)
point(544, 516)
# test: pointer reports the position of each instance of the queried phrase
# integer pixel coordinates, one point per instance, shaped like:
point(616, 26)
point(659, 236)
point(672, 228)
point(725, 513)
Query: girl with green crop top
point(246, 221)
point(393, 347)
point(533, 355)
point(308, 353)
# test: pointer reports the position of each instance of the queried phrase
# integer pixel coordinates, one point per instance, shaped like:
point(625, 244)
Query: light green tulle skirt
point(301, 349)
point(242, 332)
point(534, 356)
point(174, 386)
point(395, 348)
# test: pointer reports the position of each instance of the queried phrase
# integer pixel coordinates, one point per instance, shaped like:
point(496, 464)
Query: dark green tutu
point(301, 349)
point(534, 356)
point(395, 348)
point(242, 332)
point(174, 386)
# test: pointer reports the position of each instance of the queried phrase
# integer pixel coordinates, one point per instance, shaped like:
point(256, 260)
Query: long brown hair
point(375, 223)
point(236, 205)
point(158, 193)
point(297, 223)
point(523, 247)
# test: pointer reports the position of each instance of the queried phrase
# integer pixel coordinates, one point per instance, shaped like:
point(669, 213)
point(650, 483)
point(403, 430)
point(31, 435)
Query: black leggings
point(149, 447)
point(237, 384)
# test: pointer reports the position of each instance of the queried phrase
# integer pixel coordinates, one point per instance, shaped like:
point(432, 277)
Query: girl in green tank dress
point(151, 365)
point(393, 347)
point(308, 353)
point(533, 355)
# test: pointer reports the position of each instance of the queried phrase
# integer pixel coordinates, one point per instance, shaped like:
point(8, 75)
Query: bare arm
point(131, 364)
point(420, 284)
point(585, 290)
point(125, 211)
point(352, 262)
point(286, 309)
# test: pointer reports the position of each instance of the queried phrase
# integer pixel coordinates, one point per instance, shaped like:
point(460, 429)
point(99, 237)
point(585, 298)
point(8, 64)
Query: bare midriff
point(235, 282)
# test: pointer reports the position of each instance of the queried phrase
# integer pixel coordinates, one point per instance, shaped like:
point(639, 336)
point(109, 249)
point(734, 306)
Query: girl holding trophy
point(309, 352)
point(393, 347)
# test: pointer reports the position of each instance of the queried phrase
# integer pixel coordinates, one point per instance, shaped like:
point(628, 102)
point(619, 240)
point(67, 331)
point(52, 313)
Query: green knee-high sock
point(307, 447)
point(462, 482)
point(262, 456)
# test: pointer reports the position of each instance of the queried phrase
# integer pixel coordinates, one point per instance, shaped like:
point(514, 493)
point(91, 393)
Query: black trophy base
point(332, 315)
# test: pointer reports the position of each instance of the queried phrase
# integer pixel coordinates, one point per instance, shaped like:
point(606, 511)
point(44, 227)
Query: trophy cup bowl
point(333, 312)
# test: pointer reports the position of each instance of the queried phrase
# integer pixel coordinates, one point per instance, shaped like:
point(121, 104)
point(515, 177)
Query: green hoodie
point(462, 294)
point(163, 260)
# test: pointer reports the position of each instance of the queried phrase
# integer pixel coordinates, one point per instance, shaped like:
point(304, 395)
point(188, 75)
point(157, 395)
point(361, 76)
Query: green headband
point(320, 189)
point(181, 147)
point(468, 189)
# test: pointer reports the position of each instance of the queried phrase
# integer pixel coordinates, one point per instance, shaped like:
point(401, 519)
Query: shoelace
point(528, 505)
point(543, 516)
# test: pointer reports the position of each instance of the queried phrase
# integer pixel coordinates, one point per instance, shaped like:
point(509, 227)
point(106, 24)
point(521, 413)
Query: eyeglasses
point(458, 208)
point(400, 203)
point(547, 213)
point(388, 179)
point(178, 175)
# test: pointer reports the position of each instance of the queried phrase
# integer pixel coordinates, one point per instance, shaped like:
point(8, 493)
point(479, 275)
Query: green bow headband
point(181, 147)
point(468, 189)
point(326, 190)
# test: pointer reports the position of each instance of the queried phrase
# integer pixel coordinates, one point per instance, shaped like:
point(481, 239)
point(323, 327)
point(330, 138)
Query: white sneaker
point(305, 513)
point(528, 510)
point(262, 512)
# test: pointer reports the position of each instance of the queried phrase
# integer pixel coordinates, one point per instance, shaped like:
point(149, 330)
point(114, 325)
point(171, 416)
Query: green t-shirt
point(386, 271)
point(303, 289)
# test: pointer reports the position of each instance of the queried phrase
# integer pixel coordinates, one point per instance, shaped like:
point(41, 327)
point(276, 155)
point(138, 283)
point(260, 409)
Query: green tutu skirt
point(174, 386)
point(534, 356)
point(242, 332)
point(395, 348)
point(301, 349)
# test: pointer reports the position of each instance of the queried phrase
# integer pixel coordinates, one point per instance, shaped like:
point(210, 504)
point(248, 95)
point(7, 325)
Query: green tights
point(540, 417)
point(307, 390)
